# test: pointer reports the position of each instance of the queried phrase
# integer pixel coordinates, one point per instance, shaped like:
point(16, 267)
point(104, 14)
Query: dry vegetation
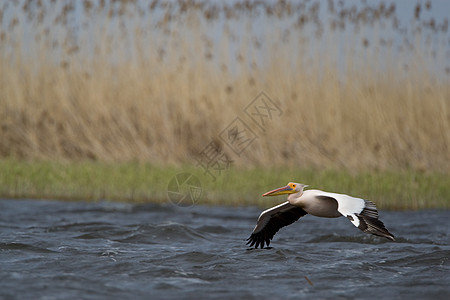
point(126, 81)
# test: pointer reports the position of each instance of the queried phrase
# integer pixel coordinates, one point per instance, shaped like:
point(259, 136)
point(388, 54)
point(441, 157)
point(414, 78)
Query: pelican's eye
point(293, 186)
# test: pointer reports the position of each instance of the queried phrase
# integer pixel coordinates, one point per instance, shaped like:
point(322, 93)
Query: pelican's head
point(290, 188)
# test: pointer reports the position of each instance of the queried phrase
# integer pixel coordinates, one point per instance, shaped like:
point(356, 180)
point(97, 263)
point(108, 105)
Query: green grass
point(135, 182)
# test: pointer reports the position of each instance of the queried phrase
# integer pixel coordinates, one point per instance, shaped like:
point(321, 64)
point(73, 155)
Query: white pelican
point(362, 213)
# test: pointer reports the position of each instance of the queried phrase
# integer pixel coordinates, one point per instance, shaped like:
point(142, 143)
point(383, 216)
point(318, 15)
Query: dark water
point(65, 250)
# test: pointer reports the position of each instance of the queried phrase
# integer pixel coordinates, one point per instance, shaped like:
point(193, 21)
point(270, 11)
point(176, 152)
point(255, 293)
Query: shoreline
point(147, 183)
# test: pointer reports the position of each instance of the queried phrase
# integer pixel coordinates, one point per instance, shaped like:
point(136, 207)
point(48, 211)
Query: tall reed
point(157, 83)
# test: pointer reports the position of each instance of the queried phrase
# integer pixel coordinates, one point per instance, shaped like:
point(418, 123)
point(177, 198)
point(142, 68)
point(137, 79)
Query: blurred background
point(361, 84)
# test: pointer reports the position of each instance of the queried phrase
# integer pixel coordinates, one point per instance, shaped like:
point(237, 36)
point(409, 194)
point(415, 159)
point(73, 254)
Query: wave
point(163, 233)
point(431, 259)
point(361, 239)
point(24, 247)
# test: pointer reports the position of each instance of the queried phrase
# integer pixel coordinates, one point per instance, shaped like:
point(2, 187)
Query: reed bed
point(130, 81)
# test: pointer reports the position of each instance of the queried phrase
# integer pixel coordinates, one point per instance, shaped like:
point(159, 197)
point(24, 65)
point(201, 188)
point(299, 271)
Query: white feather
point(347, 205)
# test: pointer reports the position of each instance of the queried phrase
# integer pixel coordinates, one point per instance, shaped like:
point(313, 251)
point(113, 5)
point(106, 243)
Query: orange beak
point(280, 191)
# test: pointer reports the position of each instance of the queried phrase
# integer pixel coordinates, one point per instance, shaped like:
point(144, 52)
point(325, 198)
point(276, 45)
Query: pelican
point(362, 213)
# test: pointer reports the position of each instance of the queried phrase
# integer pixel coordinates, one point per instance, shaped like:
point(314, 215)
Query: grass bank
point(136, 182)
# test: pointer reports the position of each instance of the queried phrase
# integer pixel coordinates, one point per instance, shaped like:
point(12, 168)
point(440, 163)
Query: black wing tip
point(389, 235)
point(370, 223)
point(374, 226)
point(386, 234)
point(257, 242)
point(270, 221)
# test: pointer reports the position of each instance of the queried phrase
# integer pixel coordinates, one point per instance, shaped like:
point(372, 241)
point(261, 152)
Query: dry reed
point(158, 83)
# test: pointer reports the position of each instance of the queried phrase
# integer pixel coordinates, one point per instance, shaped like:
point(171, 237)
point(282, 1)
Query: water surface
point(62, 250)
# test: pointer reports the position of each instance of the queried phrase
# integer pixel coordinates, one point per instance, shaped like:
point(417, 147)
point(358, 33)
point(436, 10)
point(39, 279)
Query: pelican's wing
point(271, 220)
point(363, 214)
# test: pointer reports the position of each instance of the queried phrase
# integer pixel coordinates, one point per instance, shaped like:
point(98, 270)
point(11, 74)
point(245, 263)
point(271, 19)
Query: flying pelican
point(362, 213)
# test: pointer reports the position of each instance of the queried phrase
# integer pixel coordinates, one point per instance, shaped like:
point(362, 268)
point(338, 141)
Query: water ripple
point(23, 247)
point(52, 250)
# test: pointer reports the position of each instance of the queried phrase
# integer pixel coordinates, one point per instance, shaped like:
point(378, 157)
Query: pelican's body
point(318, 203)
point(362, 213)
